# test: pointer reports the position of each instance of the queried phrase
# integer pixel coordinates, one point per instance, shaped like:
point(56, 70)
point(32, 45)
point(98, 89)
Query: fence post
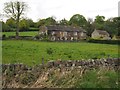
point(42, 61)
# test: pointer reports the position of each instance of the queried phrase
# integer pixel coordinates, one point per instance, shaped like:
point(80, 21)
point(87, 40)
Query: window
point(75, 33)
point(82, 34)
point(65, 34)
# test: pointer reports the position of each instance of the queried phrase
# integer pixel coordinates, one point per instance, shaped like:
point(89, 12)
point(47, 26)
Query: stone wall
point(20, 75)
point(111, 62)
point(115, 62)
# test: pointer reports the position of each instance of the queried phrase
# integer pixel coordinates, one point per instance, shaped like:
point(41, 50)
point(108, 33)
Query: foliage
point(67, 77)
point(47, 21)
point(89, 27)
point(49, 51)
point(27, 33)
point(78, 20)
point(99, 22)
point(11, 23)
point(5, 27)
point(30, 23)
point(50, 21)
point(15, 10)
point(110, 25)
point(117, 24)
point(23, 25)
point(64, 22)
point(117, 42)
point(33, 29)
point(98, 79)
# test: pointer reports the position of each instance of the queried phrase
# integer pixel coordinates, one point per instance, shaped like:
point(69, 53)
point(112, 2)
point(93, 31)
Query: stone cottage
point(100, 34)
point(63, 33)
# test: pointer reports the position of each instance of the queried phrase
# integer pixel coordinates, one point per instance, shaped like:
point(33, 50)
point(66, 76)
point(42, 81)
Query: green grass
point(98, 79)
point(29, 33)
point(30, 52)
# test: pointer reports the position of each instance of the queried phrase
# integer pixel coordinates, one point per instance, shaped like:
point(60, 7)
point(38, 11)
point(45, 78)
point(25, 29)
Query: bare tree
point(15, 10)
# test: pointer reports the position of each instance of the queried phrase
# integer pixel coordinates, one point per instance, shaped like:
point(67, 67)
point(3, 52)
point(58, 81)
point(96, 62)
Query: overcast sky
point(39, 9)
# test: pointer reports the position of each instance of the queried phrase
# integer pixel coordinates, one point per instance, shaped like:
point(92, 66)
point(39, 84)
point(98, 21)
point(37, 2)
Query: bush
point(33, 29)
point(98, 79)
point(3, 36)
point(49, 51)
point(104, 41)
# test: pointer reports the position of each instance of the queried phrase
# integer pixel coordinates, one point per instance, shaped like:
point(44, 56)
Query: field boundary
point(92, 63)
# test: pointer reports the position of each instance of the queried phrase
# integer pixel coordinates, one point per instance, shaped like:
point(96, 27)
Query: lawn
point(29, 33)
point(30, 52)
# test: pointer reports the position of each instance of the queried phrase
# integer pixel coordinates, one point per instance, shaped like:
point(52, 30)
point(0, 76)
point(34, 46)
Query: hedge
point(105, 41)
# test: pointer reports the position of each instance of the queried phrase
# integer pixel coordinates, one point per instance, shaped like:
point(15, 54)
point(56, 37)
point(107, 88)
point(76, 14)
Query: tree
point(15, 10)
point(99, 22)
point(89, 27)
point(117, 24)
point(11, 23)
point(5, 27)
point(50, 21)
point(23, 25)
point(112, 25)
point(63, 22)
point(78, 20)
point(41, 22)
point(47, 21)
point(31, 23)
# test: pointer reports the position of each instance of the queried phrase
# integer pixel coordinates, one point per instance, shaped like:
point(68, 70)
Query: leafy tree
point(112, 25)
point(109, 26)
point(41, 22)
point(89, 27)
point(23, 25)
point(5, 27)
point(47, 21)
point(117, 25)
point(31, 23)
point(100, 19)
point(15, 10)
point(63, 22)
point(78, 20)
point(11, 23)
point(50, 21)
point(99, 22)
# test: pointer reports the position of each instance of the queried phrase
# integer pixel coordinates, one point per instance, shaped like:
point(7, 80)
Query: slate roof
point(102, 32)
point(64, 28)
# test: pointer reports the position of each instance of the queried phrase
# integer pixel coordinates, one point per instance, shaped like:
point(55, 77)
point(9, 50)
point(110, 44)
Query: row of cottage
point(58, 33)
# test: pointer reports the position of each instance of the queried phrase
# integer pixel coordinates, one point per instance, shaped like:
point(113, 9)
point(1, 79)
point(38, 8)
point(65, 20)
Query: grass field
point(29, 33)
point(30, 52)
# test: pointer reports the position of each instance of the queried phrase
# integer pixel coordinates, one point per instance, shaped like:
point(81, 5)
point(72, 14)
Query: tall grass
point(98, 79)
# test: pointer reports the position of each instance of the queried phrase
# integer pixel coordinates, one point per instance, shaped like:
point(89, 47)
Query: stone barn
point(100, 34)
point(62, 33)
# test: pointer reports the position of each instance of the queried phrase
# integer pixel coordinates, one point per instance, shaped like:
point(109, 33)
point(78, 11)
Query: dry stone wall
point(111, 62)
point(20, 75)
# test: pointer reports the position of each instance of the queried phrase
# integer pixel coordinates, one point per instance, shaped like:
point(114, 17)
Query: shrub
point(104, 41)
point(33, 29)
point(3, 36)
point(49, 51)
point(98, 79)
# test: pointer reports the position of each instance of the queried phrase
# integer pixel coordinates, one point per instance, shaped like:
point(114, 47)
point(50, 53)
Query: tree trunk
point(17, 33)
point(17, 30)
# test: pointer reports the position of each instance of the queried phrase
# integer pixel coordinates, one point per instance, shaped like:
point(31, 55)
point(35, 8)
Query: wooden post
point(42, 61)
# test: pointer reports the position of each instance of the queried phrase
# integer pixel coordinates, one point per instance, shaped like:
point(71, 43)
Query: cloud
point(66, 8)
